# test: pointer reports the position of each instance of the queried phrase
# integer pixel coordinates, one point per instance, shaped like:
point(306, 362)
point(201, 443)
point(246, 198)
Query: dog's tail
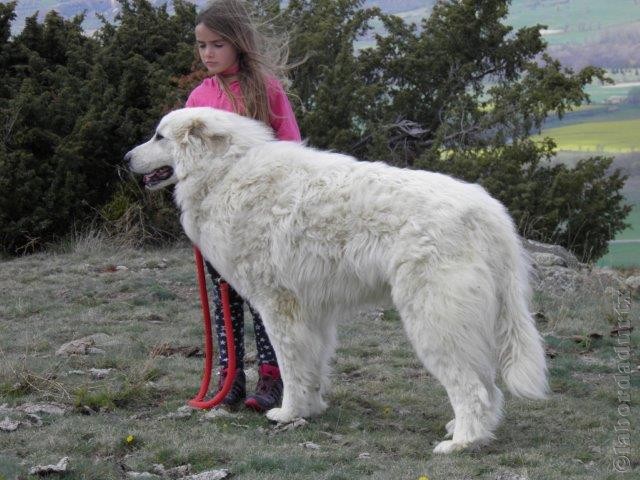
point(521, 350)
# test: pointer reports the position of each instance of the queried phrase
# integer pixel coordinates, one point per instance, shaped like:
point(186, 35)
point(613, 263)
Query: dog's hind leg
point(304, 344)
point(448, 323)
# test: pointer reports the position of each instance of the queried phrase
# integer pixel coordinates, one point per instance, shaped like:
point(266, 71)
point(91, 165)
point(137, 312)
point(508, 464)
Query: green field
point(619, 136)
point(576, 21)
point(633, 232)
point(625, 251)
point(573, 21)
point(623, 255)
point(606, 130)
point(595, 113)
point(605, 93)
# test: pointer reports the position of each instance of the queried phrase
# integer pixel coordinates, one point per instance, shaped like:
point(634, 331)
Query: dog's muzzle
point(154, 178)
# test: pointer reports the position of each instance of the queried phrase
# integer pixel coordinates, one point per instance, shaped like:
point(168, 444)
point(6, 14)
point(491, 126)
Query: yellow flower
point(130, 439)
point(387, 411)
point(423, 477)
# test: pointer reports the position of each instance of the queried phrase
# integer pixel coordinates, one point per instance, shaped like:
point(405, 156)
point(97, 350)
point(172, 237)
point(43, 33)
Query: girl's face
point(216, 53)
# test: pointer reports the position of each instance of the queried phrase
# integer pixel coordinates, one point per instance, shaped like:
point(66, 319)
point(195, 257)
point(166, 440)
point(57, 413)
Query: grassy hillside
point(622, 255)
point(616, 136)
point(573, 21)
point(624, 251)
point(385, 413)
point(596, 113)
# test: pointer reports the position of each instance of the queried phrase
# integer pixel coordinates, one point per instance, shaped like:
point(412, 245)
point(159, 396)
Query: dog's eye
point(158, 136)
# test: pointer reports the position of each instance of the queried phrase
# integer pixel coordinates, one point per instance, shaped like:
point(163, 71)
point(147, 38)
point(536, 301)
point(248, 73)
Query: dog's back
point(368, 212)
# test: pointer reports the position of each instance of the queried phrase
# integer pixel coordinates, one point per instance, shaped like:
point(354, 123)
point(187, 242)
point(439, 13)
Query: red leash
point(199, 400)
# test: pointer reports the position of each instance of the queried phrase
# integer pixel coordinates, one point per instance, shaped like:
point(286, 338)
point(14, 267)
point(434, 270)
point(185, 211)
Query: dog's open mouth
point(157, 176)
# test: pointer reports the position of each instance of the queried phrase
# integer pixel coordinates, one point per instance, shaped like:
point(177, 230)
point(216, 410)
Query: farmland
point(620, 136)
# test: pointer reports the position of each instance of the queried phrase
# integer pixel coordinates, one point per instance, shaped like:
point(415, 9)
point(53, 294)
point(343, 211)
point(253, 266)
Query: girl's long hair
point(260, 56)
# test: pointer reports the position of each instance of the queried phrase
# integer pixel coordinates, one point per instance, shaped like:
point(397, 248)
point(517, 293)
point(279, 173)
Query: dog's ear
point(194, 127)
point(197, 129)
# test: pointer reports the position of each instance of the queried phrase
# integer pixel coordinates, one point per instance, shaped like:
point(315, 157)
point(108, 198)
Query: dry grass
point(383, 403)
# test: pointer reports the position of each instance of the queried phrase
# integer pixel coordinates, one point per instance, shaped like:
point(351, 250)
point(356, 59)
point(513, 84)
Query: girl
point(244, 80)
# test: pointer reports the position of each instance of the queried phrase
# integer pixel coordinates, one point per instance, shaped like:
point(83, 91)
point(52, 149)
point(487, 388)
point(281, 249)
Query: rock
point(556, 272)
point(209, 475)
point(606, 277)
point(633, 283)
point(100, 373)
point(77, 347)
point(283, 427)
point(173, 473)
point(87, 345)
point(43, 470)
point(142, 475)
point(218, 413)
point(182, 412)
point(548, 260)
point(50, 408)
point(8, 425)
point(310, 445)
point(364, 456)
point(568, 258)
point(557, 281)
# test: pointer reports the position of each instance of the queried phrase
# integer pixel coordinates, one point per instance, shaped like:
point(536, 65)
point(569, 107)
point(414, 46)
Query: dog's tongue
point(157, 175)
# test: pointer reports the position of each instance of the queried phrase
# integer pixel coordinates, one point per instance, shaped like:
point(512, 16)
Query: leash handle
point(199, 400)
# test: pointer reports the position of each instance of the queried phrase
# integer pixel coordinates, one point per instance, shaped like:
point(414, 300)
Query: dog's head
point(193, 138)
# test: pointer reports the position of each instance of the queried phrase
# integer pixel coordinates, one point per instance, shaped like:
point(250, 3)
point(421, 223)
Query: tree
point(331, 100)
point(71, 106)
point(40, 182)
point(460, 95)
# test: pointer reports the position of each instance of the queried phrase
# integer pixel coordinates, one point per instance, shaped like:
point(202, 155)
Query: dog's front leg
point(301, 341)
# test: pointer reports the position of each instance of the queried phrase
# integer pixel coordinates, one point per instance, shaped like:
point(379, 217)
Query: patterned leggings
point(266, 354)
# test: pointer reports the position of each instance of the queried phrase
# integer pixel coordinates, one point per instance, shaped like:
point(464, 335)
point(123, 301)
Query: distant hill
point(108, 8)
point(579, 32)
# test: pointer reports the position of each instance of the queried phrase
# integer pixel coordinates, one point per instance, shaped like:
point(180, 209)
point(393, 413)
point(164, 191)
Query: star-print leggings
point(266, 353)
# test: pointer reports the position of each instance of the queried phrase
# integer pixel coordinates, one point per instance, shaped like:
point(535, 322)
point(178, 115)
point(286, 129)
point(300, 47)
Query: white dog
point(308, 236)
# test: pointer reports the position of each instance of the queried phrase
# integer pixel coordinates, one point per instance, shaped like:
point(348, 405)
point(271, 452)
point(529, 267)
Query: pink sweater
point(283, 121)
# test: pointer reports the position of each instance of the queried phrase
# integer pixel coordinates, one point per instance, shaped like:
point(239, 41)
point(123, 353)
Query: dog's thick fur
point(308, 236)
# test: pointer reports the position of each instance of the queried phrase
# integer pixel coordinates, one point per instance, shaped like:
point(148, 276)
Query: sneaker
point(238, 390)
point(268, 391)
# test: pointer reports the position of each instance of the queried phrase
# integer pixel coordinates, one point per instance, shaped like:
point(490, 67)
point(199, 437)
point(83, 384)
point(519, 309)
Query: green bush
point(461, 95)
point(71, 106)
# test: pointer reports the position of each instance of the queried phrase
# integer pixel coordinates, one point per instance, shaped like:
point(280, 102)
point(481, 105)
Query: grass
point(633, 232)
point(578, 21)
point(625, 250)
point(619, 136)
point(591, 113)
point(382, 403)
point(621, 255)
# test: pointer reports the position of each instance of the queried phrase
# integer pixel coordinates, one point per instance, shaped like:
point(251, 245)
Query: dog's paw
point(281, 415)
point(449, 446)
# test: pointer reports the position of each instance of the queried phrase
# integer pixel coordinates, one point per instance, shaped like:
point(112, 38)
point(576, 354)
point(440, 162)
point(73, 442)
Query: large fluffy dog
point(308, 236)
